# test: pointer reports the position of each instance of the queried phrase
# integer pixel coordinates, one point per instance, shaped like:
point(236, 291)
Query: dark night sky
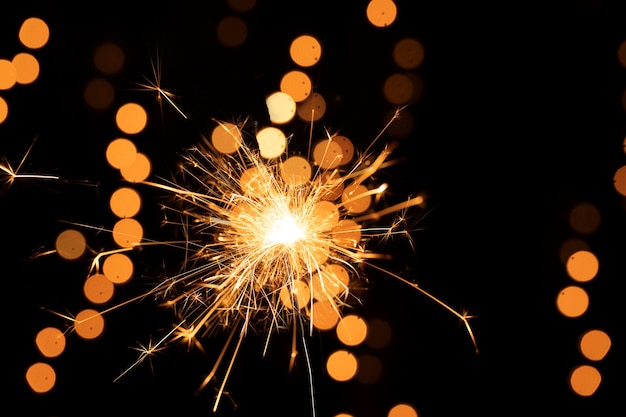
point(519, 120)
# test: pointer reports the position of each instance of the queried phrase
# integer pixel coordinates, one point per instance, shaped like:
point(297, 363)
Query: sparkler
point(271, 240)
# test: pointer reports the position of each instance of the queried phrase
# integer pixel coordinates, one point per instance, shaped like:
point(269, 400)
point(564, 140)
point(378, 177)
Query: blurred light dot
point(571, 246)
point(241, 5)
point(402, 410)
point(378, 334)
point(325, 314)
point(98, 289)
point(70, 244)
point(330, 282)
point(351, 330)
point(26, 67)
point(619, 180)
point(347, 148)
point(89, 324)
point(139, 170)
point(118, 268)
point(381, 13)
point(584, 218)
point(408, 53)
point(125, 202)
point(621, 53)
point(327, 154)
point(355, 198)
point(232, 31)
point(281, 107)
point(347, 233)
point(297, 84)
point(4, 110)
point(226, 137)
point(40, 377)
point(595, 344)
point(99, 93)
point(34, 33)
point(109, 58)
point(50, 342)
point(121, 153)
point(330, 188)
point(131, 118)
point(343, 415)
point(8, 74)
point(296, 170)
point(582, 266)
point(250, 180)
point(585, 380)
point(312, 108)
point(299, 293)
point(341, 365)
point(370, 369)
point(572, 301)
point(272, 142)
point(398, 89)
point(305, 50)
point(326, 215)
point(127, 233)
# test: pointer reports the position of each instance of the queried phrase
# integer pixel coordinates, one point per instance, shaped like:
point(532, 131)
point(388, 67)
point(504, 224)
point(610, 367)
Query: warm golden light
point(232, 31)
point(582, 266)
point(341, 365)
point(89, 324)
point(619, 180)
point(109, 58)
point(139, 170)
point(281, 107)
point(327, 153)
point(571, 246)
point(408, 53)
point(34, 33)
point(125, 202)
point(297, 84)
point(40, 377)
point(99, 93)
point(4, 110)
point(127, 233)
point(402, 410)
point(98, 289)
point(584, 218)
point(585, 380)
point(226, 138)
point(50, 342)
point(296, 170)
point(351, 330)
point(305, 50)
point(312, 108)
point(381, 13)
point(70, 244)
point(572, 301)
point(121, 153)
point(118, 268)
point(8, 74)
point(26, 67)
point(325, 315)
point(131, 118)
point(272, 142)
point(595, 344)
point(399, 89)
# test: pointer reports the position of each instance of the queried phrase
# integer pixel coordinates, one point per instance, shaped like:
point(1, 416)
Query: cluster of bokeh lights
point(303, 265)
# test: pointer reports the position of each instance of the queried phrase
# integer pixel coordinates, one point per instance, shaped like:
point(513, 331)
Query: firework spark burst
point(271, 243)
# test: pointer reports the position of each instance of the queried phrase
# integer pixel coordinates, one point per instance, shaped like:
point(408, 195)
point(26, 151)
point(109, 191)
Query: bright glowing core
point(285, 230)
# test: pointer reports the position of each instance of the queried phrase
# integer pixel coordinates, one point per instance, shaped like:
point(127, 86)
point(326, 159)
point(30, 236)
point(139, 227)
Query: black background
point(520, 119)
